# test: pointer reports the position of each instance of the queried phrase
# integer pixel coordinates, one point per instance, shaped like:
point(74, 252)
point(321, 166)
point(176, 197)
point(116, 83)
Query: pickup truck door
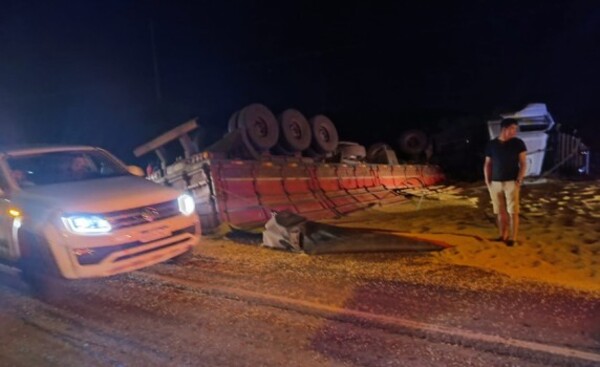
point(7, 245)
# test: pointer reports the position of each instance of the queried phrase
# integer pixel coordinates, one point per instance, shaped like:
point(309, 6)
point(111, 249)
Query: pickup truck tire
point(294, 131)
point(39, 270)
point(260, 124)
point(324, 134)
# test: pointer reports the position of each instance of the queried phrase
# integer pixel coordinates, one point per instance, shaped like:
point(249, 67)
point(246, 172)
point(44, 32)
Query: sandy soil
point(559, 240)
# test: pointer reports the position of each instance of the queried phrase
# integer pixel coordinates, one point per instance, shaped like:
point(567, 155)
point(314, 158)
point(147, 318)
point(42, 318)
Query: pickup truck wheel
point(39, 270)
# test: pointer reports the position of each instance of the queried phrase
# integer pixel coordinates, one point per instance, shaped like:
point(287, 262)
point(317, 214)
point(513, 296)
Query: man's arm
point(487, 170)
point(522, 166)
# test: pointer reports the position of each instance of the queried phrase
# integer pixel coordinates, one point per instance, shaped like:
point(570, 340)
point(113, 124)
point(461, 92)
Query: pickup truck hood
point(97, 196)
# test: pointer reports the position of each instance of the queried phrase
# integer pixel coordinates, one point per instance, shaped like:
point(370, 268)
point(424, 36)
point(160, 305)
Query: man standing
point(504, 168)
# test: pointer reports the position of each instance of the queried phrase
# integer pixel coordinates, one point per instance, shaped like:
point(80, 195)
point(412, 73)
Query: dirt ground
point(244, 305)
point(559, 241)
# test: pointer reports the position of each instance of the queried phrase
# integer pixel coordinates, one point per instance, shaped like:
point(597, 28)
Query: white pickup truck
point(72, 212)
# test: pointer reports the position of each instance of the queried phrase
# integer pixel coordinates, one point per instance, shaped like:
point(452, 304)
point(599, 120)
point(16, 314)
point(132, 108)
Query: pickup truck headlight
point(186, 204)
point(86, 224)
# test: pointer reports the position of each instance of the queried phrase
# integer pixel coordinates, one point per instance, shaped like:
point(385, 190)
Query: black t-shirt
point(505, 158)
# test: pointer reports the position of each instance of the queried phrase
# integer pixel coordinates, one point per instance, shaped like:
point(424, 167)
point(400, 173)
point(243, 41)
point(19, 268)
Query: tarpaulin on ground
point(292, 232)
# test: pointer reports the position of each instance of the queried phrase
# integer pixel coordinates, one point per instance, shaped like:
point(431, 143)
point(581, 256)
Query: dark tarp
point(292, 232)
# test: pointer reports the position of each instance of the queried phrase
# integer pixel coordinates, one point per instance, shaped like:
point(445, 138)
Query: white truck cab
point(78, 212)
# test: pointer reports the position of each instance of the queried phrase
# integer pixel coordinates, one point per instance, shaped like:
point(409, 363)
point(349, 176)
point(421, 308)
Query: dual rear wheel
point(289, 133)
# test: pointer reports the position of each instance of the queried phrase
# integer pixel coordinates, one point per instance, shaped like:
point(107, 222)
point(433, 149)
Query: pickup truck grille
point(142, 215)
point(100, 253)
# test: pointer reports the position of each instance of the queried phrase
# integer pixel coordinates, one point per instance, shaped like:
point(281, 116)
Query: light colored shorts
point(505, 191)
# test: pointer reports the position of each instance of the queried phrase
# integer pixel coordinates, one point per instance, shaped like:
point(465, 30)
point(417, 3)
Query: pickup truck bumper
point(123, 250)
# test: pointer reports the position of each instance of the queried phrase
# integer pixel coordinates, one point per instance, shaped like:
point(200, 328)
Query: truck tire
point(39, 269)
point(324, 134)
point(294, 131)
point(260, 125)
point(413, 142)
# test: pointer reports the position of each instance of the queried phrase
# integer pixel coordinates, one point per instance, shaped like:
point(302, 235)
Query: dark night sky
point(82, 71)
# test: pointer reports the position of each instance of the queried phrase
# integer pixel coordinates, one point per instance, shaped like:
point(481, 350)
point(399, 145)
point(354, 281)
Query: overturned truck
point(267, 164)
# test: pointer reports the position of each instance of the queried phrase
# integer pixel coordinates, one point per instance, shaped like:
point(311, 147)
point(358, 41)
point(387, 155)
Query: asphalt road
point(265, 308)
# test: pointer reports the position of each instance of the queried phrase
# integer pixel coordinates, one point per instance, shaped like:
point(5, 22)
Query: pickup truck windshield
point(59, 167)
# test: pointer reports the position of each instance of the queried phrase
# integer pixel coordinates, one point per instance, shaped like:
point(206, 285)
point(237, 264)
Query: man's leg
point(514, 226)
point(499, 225)
point(497, 198)
point(503, 215)
point(512, 205)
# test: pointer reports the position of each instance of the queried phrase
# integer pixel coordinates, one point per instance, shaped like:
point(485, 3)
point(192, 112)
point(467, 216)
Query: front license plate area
point(154, 234)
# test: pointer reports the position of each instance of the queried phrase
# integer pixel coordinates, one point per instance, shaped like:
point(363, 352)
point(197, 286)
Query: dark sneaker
point(510, 243)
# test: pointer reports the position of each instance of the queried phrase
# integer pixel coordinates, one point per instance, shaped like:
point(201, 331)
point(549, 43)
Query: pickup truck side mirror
point(136, 171)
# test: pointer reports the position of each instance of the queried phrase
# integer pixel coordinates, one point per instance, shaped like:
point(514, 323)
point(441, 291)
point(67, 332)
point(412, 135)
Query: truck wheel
point(413, 142)
point(260, 124)
point(39, 270)
point(295, 134)
point(324, 134)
